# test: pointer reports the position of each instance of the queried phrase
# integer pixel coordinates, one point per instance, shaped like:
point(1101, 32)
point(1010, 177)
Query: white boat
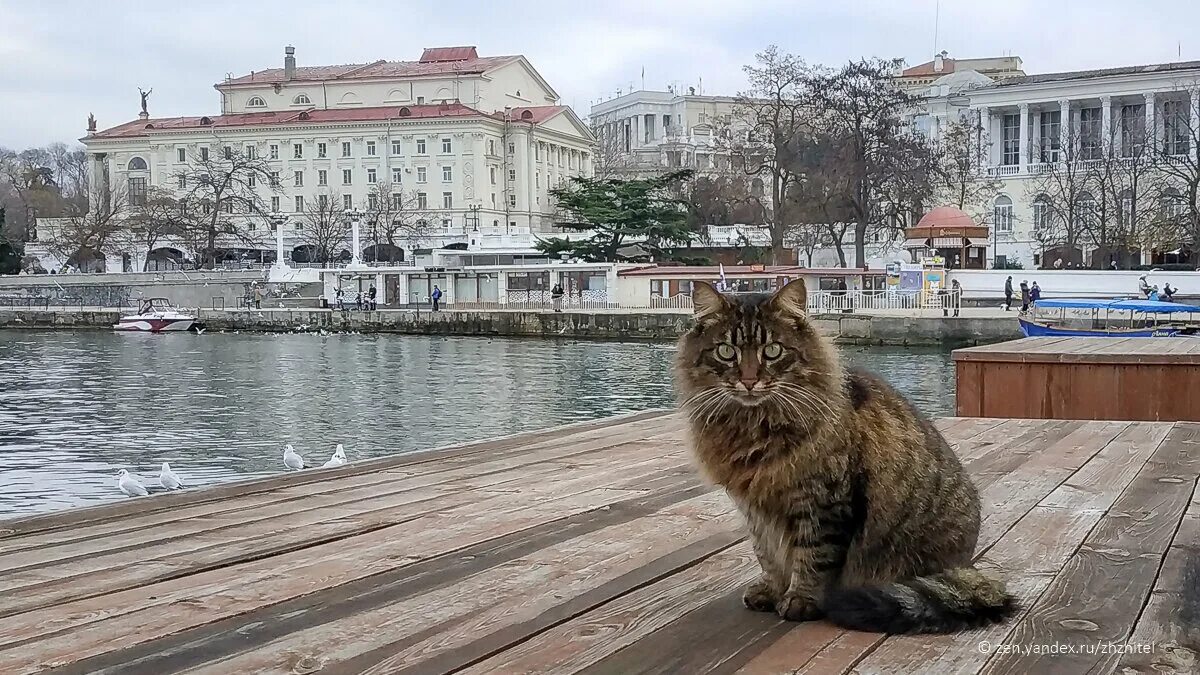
point(156, 315)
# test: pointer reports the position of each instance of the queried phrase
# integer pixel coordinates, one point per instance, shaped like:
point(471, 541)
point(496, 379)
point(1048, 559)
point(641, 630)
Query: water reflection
point(75, 407)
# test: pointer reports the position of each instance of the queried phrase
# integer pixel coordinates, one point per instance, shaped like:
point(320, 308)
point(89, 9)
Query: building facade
point(917, 79)
point(473, 143)
point(649, 131)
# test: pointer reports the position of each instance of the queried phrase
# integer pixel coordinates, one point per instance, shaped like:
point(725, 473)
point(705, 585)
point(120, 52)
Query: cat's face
point(752, 351)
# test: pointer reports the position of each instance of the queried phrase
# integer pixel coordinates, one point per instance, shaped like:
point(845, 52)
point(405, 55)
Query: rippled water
point(75, 407)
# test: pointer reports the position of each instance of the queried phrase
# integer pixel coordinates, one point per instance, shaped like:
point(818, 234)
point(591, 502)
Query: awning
point(947, 242)
point(914, 243)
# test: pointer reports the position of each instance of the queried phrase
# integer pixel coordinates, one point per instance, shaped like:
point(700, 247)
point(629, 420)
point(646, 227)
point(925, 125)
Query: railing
point(1003, 170)
point(847, 301)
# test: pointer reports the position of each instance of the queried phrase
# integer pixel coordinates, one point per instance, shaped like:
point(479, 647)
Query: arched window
point(301, 99)
point(350, 98)
point(1002, 214)
point(137, 164)
point(1087, 212)
point(1041, 213)
point(1174, 205)
point(256, 102)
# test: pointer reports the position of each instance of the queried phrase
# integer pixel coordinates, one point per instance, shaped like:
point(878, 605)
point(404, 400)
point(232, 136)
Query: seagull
point(338, 459)
point(130, 485)
point(200, 331)
point(168, 479)
point(292, 460)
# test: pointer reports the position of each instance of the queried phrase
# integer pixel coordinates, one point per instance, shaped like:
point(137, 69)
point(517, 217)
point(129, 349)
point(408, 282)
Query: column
point(356, 252)
point(1194, 124)
point(531, 189)
point(1106, 127)
point(1066, 152)
point(502, 287)
point(1151, 121)
point(985, 133)
point(1024, 138)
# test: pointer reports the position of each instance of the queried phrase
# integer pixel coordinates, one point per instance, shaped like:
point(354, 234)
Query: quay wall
point(184, 289)
point(854, 329)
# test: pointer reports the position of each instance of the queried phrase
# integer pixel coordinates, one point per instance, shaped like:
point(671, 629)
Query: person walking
point(340, 296)
point(1035, 292)
point(436, 297)
point(1024, 297)
point(556, 295)
point(358, 301)
point(956, 296)
point(371, 292)
point(259, 292)
point(1144, 286)
point(1168, 292)
point(1008, 294)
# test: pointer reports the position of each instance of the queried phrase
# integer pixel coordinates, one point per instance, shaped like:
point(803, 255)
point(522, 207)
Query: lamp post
point(278, 220)
point(474, 217)
point(355, 218)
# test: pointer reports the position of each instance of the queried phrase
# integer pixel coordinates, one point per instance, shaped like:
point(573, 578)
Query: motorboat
point(156, 315)
point(1085, 317)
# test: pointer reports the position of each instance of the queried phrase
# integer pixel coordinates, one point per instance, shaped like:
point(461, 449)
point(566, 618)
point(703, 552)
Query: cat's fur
point(858, 509)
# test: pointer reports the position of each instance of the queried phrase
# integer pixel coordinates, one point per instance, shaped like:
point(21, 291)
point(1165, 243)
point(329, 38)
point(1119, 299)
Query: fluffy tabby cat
point(858, 509)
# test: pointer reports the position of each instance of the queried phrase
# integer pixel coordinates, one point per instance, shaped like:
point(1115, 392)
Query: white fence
point(847, 301)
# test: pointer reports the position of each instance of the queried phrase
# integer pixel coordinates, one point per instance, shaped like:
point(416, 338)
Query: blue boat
point(1071, 317)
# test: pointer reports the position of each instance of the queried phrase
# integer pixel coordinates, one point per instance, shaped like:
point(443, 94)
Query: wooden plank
point(968, 397)
point(1124, 456)
point(521, 441)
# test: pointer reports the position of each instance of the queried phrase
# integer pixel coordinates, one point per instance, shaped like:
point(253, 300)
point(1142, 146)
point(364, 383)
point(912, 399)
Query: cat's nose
point(749, 383)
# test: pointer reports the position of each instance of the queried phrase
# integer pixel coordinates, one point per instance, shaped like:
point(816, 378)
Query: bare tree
point(228, 184)
point(611, 156)
point(1179, 165)
point(1063, 204)
point(323, 226)
point(1126, 185)
point(160, 218)
point(395, 218)
point(87, 229)
point(960, 150)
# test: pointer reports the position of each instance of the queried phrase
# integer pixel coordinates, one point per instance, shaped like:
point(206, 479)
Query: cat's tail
point(946, 602)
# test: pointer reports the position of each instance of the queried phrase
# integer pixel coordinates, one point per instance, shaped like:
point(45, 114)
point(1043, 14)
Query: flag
point(721, 286)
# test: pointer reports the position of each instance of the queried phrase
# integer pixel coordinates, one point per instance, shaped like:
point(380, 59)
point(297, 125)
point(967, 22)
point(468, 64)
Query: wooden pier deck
point(593, 548)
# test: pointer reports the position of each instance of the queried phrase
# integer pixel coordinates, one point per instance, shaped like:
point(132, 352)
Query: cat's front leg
point(761, 595)
point(814, 569)
point(768, 539)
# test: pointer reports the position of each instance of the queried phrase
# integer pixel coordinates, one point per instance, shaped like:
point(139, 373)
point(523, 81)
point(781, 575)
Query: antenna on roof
point(937, 15)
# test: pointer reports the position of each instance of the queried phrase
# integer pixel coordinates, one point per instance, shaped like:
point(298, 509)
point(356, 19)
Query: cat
point(858, 510)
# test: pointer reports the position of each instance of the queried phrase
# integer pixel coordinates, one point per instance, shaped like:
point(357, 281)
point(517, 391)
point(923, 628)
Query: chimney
point(939, 61)
point(289, 62)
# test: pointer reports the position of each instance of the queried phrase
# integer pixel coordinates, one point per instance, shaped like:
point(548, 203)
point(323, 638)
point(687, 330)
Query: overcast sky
point(60, 60)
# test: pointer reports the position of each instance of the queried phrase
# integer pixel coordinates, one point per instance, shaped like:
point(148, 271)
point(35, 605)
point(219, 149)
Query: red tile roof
point(310, 116)
point(536, 114)
point(434, 61)
point(927, 69)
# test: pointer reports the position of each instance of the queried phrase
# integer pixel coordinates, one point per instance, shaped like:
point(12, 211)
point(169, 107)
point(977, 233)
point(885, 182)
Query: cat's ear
point(791, 299)
point(707, 300)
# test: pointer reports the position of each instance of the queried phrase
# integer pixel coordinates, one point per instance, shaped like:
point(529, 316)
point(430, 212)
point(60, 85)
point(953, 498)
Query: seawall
point(847, 328)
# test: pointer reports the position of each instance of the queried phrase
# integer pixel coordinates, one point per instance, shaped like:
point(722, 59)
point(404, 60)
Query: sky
point(62, 59)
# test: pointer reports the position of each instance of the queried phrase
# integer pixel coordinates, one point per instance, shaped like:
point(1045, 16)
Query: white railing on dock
point(843, 301)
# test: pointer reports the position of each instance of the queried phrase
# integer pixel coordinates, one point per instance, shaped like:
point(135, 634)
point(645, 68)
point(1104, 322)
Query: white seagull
point(168, 479)
point(291, 459)
point(338, 459)
point(130, 485)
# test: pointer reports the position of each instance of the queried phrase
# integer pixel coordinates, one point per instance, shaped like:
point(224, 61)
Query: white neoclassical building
point(1034, 123)
point(476, 140)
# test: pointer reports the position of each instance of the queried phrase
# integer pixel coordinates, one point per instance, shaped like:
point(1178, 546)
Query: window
point(1041, 214)
point(322, 177)
point(372, 201)
point(182, 154)
point(512, 201)
point(206, 206)
point(512, 149)
point(183, 181)
point(1175, 128)
point(512, 175)
point(347, 202)
point(1089, 212)
point(204, 154)
point(345, 148)
point(301, 99)
point(274, 179)
point(537, 152)
point(299, 203)
point(421, 174)
point(1133, 129)
point(298, 178)
point(422, 201)
point(493, 200)
point(250, 152)
point(256, 102)
point(137, 191)
point(298, 225)
point(397, 174)
point(397, 149)
point(447, 200)
point(137, 164)
point(227, 152)
point(1003, 215)
point(447, 146)
point(274, 151)
point(370, 175)
point(1091, 144)
point(420, 146)
point(1011, 134)
point(1051, 140)
point(420, 100)
point(323, 202)
point(492, 174)
point(491, 146)
point(370, 148)
point(275, 204)
point(347, 176)
point(227, 205)
point(252, 180)
point(447, 174)
point(537, 179)
point(321, 150)
point(397, 201)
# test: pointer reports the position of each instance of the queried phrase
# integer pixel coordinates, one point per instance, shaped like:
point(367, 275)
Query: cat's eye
point(725, 351)
point(773, 350)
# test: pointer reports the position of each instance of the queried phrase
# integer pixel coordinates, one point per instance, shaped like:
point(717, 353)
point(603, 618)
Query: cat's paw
point(796, 608)
point(759, 596)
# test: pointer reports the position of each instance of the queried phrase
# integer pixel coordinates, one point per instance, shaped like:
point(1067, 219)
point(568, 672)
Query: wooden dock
point(1081, 378)
point(592, 548)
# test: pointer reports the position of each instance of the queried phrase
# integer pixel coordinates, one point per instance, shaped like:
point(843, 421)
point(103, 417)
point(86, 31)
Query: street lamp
point(475, 216)
point(355, 218)
point(278, 220)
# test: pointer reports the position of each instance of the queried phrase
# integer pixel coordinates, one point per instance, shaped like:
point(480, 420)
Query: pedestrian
point(358, 301)
point(436, 297)
point(1058, 264)
point(371, 292)
point(1024, 296)
point(1008, 294)
point(956, 296)
point(259, 292)
point(556, 295)
point(1144, 286)
point(1153, 294)
point(340, 296)
point(1168, 292)
point(1035, 293)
